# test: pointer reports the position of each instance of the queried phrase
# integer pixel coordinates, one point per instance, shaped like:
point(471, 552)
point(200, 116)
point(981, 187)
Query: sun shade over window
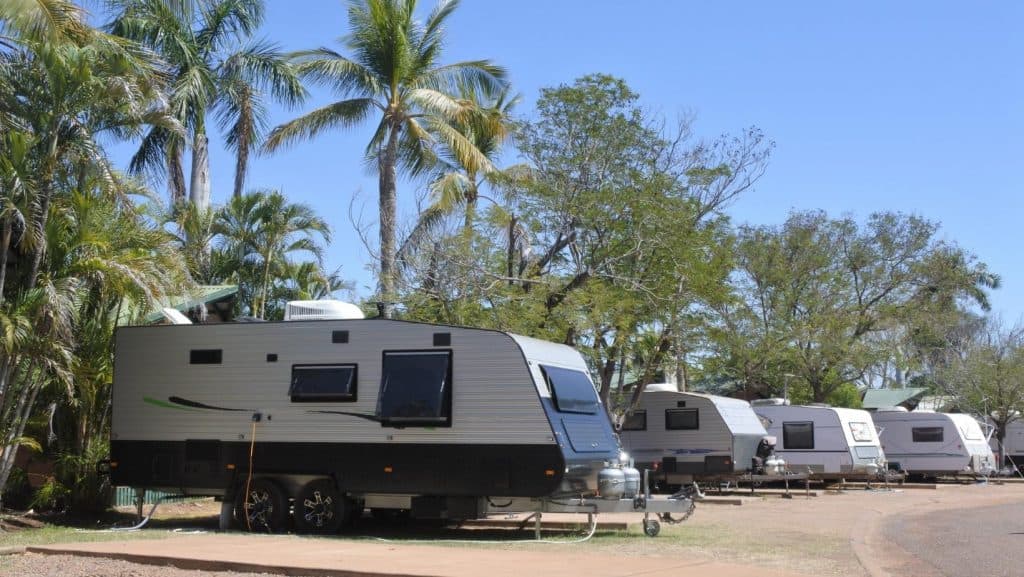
point(798, 435)
point(415, 389)
point(927, 434)
point(571, 390)
point(637, 421)
point(323, 383)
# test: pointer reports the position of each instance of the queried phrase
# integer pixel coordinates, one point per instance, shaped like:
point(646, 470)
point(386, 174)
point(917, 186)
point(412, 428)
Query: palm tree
point(259, 230)
point(394, 72)
point(215, 68)
point(457, 179)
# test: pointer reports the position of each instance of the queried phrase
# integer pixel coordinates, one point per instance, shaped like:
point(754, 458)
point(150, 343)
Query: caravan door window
point(798, 435)
point(571, 390)
point(636, 421)
point(323, 383)
point(927, 434)
point(415, 389)
point(681, 420)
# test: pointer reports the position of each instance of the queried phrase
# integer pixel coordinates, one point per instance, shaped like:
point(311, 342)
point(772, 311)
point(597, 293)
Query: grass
point(53, 535)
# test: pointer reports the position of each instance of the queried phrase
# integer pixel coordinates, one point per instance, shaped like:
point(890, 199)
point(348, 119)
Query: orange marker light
point(388, 469)
point(550, 472)
point(231, 466)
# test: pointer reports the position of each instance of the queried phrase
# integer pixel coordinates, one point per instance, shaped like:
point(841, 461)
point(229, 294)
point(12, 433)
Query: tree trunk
point(5, 245)
point(241, 166)
point(175, 176)
point(200, 186)
point(388, 209)
point(511, 254)
point(45, 191)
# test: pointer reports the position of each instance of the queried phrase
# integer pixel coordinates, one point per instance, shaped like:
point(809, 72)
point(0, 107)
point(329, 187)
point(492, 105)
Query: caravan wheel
point(320, 508)
point(262, 508)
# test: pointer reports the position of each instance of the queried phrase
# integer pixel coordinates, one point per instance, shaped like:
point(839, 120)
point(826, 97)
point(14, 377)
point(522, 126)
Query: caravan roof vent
point(891, 410)
point(661, 388)
point(321, 311)
point(769, 402)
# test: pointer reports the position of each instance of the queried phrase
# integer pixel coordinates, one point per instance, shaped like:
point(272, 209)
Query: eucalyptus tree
point(394, 74)
point(215, 67)
point(814, 293)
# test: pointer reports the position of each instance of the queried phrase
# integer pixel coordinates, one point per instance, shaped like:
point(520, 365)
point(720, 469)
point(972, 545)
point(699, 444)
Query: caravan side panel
point(182, 423)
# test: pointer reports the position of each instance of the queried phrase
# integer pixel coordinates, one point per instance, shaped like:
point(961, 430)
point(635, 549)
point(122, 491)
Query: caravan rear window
point(635, 421)
point(571, 390)
point(681, 419)
point(798, 435)
point(927, 434)
point(323, 383)
point(415, 389)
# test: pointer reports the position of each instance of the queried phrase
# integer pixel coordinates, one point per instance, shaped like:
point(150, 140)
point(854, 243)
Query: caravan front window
point(415, 389)
point(323, 383)
point(861, 432)
point(571, 390)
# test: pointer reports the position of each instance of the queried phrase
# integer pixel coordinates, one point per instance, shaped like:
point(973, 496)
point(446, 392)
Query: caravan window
point(415, 389)
point(637, 421)
point(927, 434)
point(571, 390)
point(323, 383)
point(972, 433)
point(681, 419)
point(861, 432)
point(798, 435)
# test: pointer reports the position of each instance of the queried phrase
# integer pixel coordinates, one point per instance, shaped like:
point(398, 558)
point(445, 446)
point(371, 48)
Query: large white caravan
point(693, 436)
point(821, 439)
point(927, 443)
point(440, 421)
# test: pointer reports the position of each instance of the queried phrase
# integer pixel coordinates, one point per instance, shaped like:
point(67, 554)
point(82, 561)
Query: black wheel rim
point(259, 509)
point(318, 509)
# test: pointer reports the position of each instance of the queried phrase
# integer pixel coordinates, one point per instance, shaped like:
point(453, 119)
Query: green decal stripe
point(166, 405)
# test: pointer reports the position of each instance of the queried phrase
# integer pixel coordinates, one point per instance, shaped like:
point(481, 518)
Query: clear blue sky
point(909, 106)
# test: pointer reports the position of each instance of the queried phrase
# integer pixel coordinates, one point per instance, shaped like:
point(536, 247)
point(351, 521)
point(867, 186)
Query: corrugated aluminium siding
point(495, 400)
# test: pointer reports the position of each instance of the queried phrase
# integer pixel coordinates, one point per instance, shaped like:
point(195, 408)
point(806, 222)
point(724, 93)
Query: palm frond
point(343, 114)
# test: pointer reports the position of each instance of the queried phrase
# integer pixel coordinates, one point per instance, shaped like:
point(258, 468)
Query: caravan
point(826, 441)
point(927, 443)
point(685, 437)
point(338, 415)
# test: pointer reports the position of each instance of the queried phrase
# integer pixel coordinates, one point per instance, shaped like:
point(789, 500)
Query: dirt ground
point(834, 533)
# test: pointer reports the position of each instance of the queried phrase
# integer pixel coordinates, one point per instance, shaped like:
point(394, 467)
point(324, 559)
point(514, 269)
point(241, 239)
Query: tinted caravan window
point(323, 383)
point(681, 420)
point(636, 421)
point(927, 434)
point(798, 435)
point(415, 389)
point(571, 390)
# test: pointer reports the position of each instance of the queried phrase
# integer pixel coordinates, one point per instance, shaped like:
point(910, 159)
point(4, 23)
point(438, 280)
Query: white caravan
point(336, 415)
point(684, 437)
point(821, 439)
point(1013, 445)
point(927, 443)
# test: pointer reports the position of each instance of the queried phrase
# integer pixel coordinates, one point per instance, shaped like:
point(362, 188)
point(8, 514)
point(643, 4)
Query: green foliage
point(394, 72)
point(610, 239)
point(819, 298)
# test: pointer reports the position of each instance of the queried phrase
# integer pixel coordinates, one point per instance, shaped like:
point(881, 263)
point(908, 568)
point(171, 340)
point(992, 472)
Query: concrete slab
point(321, 557)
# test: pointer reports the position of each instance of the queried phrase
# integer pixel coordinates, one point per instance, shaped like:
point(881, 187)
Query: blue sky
point(907, 106)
